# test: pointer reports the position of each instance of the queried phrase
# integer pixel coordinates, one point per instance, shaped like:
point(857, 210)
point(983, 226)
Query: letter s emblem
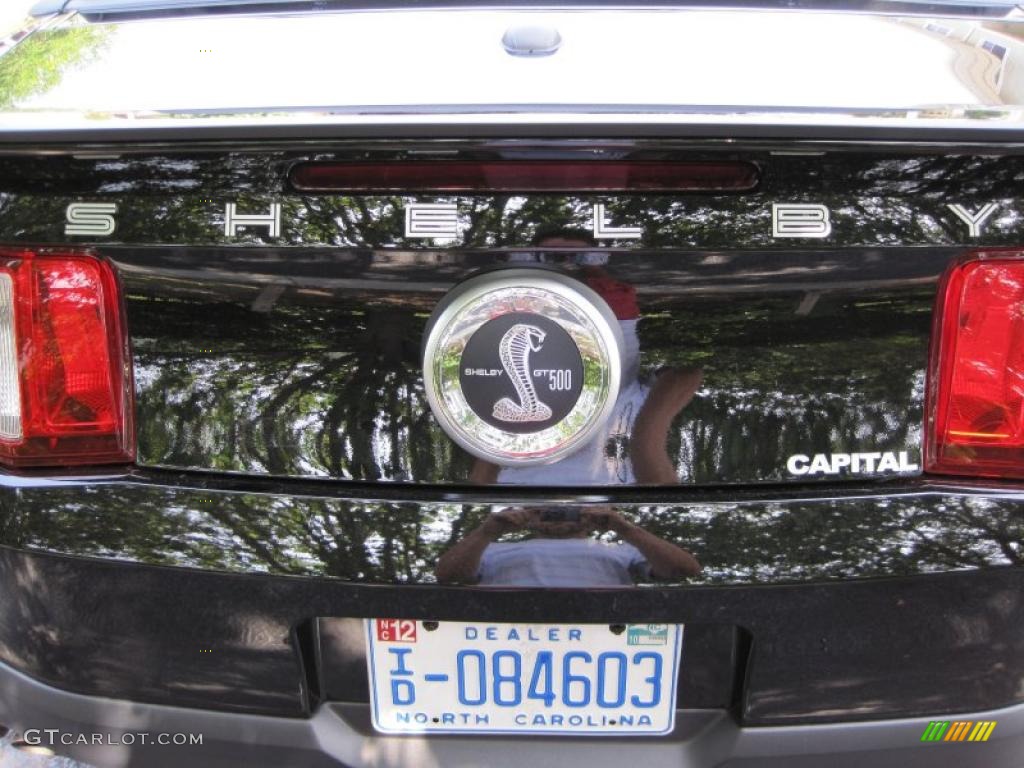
point(91, 219)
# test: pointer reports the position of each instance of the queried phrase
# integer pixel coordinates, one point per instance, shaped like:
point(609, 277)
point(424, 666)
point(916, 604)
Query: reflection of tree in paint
point(382, 542)
point(324, 379)
point(335, 390)
point(38, 63)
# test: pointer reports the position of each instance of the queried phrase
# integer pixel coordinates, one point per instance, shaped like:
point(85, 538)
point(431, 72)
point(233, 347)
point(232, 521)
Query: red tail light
point(525, 176)
point(976, 390)
point(64, 377)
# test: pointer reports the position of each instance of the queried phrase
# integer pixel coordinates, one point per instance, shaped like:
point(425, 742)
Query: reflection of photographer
point(561, 553)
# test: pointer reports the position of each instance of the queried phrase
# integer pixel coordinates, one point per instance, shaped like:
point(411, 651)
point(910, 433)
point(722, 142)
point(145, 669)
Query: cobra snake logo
point(514, 349)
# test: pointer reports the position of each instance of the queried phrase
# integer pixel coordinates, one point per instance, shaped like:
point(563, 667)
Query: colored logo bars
point(958, 730)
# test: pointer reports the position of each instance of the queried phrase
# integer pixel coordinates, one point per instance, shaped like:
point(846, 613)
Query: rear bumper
point(803, 627)
point(335, 736)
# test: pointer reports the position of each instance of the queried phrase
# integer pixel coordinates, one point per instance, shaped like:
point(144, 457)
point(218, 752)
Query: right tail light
point(976, 386)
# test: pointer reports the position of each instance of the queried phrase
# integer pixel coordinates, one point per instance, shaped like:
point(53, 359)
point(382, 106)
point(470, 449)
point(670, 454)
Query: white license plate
point(579, 679)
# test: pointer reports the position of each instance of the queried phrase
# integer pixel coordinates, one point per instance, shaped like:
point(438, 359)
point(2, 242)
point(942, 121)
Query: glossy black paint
point(812, 605)
point(329, 385)
point(278, 385)
point(818, 652)
point(298, 355)
point(364, 536)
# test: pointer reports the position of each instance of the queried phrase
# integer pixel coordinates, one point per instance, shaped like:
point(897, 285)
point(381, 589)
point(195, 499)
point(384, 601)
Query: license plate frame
point(421, 673)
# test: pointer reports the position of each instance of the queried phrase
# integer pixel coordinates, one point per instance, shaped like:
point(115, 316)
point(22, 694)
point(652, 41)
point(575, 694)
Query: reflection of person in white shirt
point(561, 553)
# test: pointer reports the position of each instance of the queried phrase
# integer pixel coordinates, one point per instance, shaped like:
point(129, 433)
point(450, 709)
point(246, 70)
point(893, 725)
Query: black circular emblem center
point(521, 372)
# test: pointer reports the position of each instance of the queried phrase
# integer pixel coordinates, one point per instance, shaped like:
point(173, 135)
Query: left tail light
point(65, 396)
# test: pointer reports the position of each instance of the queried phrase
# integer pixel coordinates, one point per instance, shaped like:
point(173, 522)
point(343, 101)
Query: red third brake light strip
point(976, 386)
point(524, 176)
point(64, 382)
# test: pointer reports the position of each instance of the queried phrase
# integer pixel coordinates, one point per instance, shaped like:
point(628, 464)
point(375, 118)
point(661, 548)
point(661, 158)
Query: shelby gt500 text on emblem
point(539, 377)
point(522, 366)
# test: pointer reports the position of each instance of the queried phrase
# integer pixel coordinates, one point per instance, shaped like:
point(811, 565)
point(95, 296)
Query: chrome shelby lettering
point(233, 220)
point(441, 221)
point(852, 463)
point(605, 231)
point(976, 220)
point(430, 221)
point(797, 220)
point(95, 219)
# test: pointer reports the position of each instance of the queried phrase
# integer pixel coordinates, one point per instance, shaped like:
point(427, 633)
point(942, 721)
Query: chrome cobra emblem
point(522, 366)
point(515, 348)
